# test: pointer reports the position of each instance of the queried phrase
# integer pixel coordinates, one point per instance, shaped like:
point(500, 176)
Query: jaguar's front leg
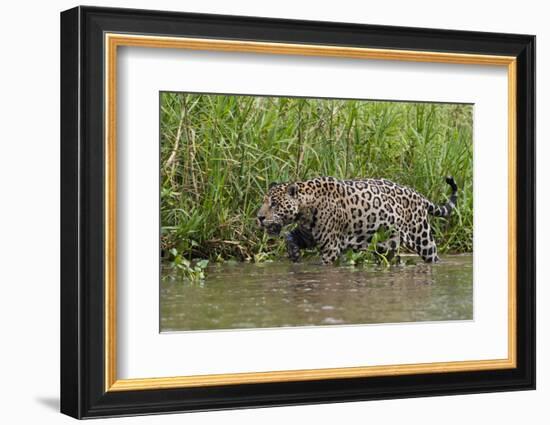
point(296, 240)
point(330, 254)
point(292, 248)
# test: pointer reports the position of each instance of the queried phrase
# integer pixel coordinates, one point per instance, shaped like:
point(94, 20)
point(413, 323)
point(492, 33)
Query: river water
point(275, 294)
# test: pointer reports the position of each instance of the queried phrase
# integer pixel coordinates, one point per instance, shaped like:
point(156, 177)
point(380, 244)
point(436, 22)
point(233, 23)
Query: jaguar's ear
point(272, 185)
point(292, 190)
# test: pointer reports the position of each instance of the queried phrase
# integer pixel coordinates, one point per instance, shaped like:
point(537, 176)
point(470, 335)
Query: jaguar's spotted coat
point(335, 215)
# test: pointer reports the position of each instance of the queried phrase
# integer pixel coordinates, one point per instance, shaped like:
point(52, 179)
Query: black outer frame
point(82, 212)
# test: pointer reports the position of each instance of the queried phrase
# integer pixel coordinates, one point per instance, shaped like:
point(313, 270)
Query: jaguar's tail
point(445, 210)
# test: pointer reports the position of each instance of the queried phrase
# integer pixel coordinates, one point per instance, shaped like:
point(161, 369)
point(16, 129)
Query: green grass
point(219, 154)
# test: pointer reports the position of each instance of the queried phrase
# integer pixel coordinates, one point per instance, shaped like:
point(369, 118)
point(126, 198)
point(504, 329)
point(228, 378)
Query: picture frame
point(90, 40)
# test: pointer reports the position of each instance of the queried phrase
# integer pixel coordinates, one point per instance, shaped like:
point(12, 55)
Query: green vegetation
point(193, 271)
point(373, 254)
point(219, 154)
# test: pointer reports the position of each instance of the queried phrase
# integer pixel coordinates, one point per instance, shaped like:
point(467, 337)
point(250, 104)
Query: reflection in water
point(305, 294)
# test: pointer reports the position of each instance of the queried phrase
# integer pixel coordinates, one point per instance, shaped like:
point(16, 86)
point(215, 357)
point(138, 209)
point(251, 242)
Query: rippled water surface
point(278, 294)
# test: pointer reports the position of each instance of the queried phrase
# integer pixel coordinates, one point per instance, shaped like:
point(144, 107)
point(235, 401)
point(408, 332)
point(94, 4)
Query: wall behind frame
point(29, 217)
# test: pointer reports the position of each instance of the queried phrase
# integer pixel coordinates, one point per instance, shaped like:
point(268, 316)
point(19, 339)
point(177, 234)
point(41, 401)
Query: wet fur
point(335, 215)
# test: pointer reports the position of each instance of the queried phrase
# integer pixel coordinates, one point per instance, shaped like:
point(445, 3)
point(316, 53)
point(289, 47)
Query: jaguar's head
point(280, 207)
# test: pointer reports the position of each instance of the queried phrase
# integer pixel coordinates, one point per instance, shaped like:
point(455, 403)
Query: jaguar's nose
point(261, 219)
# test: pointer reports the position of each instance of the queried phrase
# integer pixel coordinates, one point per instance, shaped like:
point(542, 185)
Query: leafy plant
point(373, 254)
point(190, 270)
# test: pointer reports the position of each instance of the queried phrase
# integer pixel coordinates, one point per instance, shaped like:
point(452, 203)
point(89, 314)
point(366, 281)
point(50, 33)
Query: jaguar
point(335, 215)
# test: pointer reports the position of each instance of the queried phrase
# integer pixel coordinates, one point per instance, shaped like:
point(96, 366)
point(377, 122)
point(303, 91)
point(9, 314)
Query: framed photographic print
point(261, 212)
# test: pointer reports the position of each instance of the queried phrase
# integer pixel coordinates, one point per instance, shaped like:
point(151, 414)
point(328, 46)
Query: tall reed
point(219, 154)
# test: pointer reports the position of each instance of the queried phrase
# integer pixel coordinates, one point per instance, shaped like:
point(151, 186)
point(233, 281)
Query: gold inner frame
point(113, 41)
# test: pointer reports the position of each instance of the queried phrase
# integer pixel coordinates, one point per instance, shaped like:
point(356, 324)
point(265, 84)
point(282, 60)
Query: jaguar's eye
point(273, 205)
